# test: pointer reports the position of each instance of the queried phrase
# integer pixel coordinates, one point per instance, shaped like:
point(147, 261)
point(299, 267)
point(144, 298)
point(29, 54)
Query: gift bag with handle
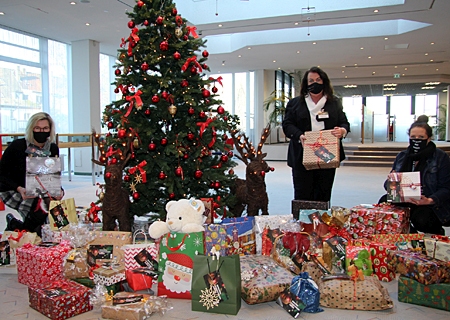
point(175, 265)
point(18, 239)
point(134, 257)
point(216, 284)
point(241, 235)
point(62, 212)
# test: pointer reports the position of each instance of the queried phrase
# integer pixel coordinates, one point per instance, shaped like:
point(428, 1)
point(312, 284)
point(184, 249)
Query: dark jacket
point(435, 181)
point(298, 120)
point(13, 164)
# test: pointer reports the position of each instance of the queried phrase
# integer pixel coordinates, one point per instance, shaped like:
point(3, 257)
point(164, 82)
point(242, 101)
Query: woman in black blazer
point(315, 109)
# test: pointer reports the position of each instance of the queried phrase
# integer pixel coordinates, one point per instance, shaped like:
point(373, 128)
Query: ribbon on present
point(203, 126)
point(20, 234)
point(190, 60)
point(141, 170)
point(192, 30)
point(335, 231)
point(320, 142)
point(136, 98)
point(441, 238)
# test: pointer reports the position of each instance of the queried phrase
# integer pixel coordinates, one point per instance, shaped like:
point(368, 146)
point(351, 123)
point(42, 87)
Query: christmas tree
point(170, 112)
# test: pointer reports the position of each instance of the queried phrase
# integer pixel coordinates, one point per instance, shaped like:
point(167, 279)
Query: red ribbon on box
point(141, 170)
point(320, 142)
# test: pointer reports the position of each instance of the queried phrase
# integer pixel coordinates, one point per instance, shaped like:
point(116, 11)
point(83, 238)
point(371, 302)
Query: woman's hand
point(338, 132)
point(424, 201)
point(302, 139)
point(61, 195)
point(23, 192)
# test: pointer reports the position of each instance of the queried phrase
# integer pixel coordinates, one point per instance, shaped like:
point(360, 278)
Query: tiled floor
point(353, 186)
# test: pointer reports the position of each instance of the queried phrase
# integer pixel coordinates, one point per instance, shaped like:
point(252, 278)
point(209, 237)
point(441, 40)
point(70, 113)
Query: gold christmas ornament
point(178, 32)
point(105, 118)
point(172, 109)
point(136, 143)
point(101, 196)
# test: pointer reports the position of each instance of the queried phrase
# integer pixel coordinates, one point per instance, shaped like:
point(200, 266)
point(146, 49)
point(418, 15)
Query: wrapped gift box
point(262, 279)
point(76, 264)
point(109, 276)
point(130, 311)
point(210, 212)
point(403, 186)
point(419, 267)
point(433, 295)
point(60, 300)
point(321, 150)
point(216, 237)
point(37, 265)
point(115, 238)
point(49, 235)
point(297, 205)
point(378, 219)
point(438, 247)
point(269, 225)
point(401, 241)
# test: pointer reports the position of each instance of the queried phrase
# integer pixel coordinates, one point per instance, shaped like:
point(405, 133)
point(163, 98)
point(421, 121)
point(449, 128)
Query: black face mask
point(41, 137)
point(315, 88)
point(417, 145)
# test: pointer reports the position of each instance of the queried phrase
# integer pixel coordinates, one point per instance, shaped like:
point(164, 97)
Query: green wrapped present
point(432, 295)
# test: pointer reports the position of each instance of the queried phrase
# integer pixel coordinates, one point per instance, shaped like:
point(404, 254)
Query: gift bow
point(93, 211)
point(20, 234)
point(192, 30)
point(141, 170)
point(203, 126)
point(111, 151)
point(138, 100)
point(219, 80)
point(188, 62)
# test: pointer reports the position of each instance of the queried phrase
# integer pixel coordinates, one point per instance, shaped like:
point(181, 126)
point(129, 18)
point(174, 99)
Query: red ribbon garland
point(134, 35)
point(141, 170)
point(188, 62)
point(192, 30)
point(203, 126)
point(138, 100)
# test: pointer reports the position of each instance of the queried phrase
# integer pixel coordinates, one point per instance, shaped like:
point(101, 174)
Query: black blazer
point(297, 121)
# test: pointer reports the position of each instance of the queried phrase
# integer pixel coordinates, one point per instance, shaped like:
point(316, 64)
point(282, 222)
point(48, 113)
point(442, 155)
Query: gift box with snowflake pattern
point(109, 276)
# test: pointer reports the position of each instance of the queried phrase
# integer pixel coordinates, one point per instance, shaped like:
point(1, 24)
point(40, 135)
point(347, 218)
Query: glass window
point(376, 104)
point(240, 97)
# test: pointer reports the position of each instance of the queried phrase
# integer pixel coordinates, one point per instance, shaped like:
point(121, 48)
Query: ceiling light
point(431, 60)
point(362, 48)
point(426, 53)
point(376, 11)
point(369, 57)
point(386, 38)
point(73, 3)
point(88, 24)
point(2, 13)
point(437, 69)
point(346, 77)
point(343, 66)
point(432, 43)
point(406, 69)
point(432, 83)
point(389, 85)
point(249, 48)
point(274, 61)
point(395, 67)
point(350, 86)
point(356, 64)
point(298, 51)
point(343, 71)
point(314, 42)
point(296, 24)
point(220, 26)
point(428, 88)
point(239, 56)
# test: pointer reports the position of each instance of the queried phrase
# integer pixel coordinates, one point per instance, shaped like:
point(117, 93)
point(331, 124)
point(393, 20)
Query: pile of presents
point(334, 258)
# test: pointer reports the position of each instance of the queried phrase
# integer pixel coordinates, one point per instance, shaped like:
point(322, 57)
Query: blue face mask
point(417, 145)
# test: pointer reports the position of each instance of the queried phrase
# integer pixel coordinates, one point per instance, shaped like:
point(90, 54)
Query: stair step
point(373, 153)
point(380, 158)
point(366, 164)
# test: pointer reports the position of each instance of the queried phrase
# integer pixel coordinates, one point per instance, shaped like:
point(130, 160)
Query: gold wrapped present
point(321, 150)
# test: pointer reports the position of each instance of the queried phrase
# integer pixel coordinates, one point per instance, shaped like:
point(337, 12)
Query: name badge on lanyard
point(322, 115)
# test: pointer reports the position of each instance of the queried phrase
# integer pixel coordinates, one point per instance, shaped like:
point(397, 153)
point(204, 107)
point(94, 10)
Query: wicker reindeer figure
point(116, 202)
point(252, 191)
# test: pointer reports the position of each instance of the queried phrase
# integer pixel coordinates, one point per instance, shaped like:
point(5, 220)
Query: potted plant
point(441, 122)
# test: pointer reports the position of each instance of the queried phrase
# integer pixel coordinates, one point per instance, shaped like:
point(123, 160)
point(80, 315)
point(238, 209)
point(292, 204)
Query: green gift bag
point(216, 284)
point(176, 254)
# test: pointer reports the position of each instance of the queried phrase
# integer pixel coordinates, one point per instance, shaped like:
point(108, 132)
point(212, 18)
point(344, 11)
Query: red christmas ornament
point(177, 55)
point(225, 118)
point(133, 44)
point(230, 154)
point(171, 196)
point(174, 11)
point(205, 66)
point(140, 3)
point(185, 37)
point(116, 90)
point(126, 178)
point(121, 133)
point(205, 93)
point(178, 171)
point(163, 141)
point(202, 114)
point(164, 46)
point(190, 136)
point(224, 158)
point(155, 98)
point(124, 90)
point(113, 161)
point(136, 195)
point(185, 156)
point(205, 53)
point(110, 125)
point(133, 156)
point(198, 174)
point(152, 146)
point(159, 20)
point(231, 171)
point(102, 159)
point(217, 185)
point(162, 175)
point(194, 70)
point(117, 72)
point(191, 111)
point(272, 169)
point(108, 175)
point(211, 185)
point(131, 24)
point(147, 112)
point(262, 173)
point(164, 95)
point(144, 66)
point(214, 89)
point(184, 83)
point(220, 110)
point(146, 23)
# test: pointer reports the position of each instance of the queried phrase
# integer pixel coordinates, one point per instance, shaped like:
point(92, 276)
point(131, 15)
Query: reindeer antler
point(124, 156)
point(245, 147)
point(96, 139)
point(264, 135)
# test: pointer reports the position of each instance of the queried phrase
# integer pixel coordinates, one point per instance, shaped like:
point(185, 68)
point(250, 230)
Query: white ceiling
point(275, 30)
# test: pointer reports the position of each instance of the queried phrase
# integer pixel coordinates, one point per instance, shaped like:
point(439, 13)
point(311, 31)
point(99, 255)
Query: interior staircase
point(375, 156)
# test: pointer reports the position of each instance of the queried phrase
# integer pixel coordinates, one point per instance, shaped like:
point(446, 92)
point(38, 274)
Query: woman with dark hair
point(432, 211)
point(315, 109)
point(39, 141)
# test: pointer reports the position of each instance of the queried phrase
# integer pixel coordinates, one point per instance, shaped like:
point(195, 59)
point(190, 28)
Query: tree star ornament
point(133, 187)
point(138, 178)
point(209, 298)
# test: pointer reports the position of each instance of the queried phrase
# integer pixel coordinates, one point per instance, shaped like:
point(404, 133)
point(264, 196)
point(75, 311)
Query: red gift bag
point(138, 281)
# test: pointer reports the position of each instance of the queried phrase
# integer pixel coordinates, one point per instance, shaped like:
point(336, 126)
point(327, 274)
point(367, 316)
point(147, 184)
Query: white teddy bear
point(182, 216)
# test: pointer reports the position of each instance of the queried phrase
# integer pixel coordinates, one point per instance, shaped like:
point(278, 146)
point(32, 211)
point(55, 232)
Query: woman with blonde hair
point(39, 141)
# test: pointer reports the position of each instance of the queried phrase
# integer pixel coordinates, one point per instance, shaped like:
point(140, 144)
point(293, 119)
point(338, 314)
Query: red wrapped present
point(138, 280)
point(401, 241)
point(37, 265)
point(378, 219)
point(419, 267)
point(61, 299)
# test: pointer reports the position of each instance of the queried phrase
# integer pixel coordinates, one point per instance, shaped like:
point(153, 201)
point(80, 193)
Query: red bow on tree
point(141, 170)
point(138, 100)
point(203, 126)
